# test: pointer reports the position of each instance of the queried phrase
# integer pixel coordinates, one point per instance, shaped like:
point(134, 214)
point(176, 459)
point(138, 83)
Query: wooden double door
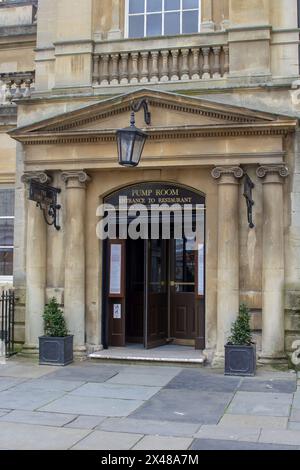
point(160, 301)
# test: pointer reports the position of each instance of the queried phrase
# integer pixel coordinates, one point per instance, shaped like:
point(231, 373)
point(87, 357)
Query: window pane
point(154, 5)
point(154, 25)
point(6, 262)
point(185, 266)
point(186, 4)
point(6, 232)
point(136, 26)
point(136, 6)
point(190, 21)
point(172, 5)
point(7, 202)
point(172, 23)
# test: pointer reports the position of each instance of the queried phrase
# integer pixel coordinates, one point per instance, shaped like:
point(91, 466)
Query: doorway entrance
point(154, 293)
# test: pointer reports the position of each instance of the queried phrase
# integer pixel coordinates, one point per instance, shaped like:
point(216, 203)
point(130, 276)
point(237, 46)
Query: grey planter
point(56, 351)
point(240, 360)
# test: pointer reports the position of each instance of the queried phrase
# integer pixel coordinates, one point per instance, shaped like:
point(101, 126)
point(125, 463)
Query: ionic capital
point(74, 178)
point(273, 170)
point(233, 172)
point(39, 176)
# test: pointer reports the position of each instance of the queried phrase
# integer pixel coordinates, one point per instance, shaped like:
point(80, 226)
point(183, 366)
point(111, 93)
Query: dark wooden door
point(156, 294)
point(182, 290)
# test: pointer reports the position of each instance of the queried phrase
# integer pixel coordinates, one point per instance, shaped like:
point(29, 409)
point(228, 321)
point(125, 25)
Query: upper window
point(147, 18)
point(7, 208)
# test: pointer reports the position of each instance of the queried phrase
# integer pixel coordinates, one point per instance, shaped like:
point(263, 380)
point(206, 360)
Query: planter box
point(56, 351)
point(240, 360)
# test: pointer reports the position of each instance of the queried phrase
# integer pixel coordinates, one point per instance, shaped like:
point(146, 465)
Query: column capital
point(219, 172)
point(273, 170)
point(39, 176)
point(75, 178)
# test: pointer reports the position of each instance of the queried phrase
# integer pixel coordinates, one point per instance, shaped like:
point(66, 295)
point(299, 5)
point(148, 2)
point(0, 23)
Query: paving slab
point(187, 406)
point(108, 390)
point(274, 374)
point(163, 443)
point(268, 386)
point(48, 385)
point(100, 440)
point(199, 381)
point(92, 407)
point(261, 404)
point(83, 374)
point(149, 380)
point(296, 402)
point(86, 422)
point(27, 437)
point(160, 428)
point(25, 370)
point(293, 426)
point(210, 444)
point(236, 433)
point(4, 412)
point(268, 422)
point(37, 417)
point(8, 382)
point(150, 369)
point(295, 415)
point(287, 437)
point(27, 400)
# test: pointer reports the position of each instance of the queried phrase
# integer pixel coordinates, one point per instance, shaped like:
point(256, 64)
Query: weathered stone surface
point(100, 440)
point(38, 418)
point(86, 422)
point(163, 443)
point(107, 390)
point(199, 381)
point(150, 427)
point(244, 434)
point(212, 444)
point(280, 437)
point(268, 386)
point(261, 404)
point(252, 421)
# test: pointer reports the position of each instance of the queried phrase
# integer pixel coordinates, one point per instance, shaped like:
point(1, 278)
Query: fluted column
point(76, 182)
point(228, 251)
point(36, 267)
point(273, 261)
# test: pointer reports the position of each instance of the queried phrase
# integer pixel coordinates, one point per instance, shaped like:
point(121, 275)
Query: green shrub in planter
point(240, 351)
point(56, 347)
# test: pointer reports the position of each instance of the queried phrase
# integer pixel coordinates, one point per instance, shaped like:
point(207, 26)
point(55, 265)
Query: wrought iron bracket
point(248, 194)
point(136, 107)
point(45, 198)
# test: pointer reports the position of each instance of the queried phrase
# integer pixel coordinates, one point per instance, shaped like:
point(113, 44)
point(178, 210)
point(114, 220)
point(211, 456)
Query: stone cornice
point(281, 170)
point(220, 171)
point(39, 176)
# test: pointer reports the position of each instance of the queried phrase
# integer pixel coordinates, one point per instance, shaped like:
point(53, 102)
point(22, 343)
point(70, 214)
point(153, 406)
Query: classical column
point(115, 31)
point(75, 255)
point(228, 251)
point(273, 261)
point(207, 16)
point(36, 267)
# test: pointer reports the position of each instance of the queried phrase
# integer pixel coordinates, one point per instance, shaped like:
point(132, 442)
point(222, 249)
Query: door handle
point(172, 283)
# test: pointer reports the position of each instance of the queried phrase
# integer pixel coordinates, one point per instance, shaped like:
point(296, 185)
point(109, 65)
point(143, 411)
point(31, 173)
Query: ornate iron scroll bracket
point(248, 194)
point(136, 107)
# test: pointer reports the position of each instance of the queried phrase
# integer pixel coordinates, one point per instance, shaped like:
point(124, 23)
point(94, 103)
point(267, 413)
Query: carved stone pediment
point(173, 116)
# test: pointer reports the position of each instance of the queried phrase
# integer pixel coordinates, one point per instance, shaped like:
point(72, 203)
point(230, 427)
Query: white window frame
point(163, 18)
point(7, 279)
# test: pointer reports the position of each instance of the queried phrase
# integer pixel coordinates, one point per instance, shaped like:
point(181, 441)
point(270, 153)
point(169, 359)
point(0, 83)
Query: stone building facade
point(221, 78)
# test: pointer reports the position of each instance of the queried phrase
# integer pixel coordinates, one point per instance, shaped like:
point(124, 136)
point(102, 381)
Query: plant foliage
point(54, 322)
point(241, 331)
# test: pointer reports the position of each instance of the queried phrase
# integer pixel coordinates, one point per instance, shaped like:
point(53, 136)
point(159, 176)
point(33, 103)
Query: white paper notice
point(201, 269)
point(117, 311)
point(115, 269)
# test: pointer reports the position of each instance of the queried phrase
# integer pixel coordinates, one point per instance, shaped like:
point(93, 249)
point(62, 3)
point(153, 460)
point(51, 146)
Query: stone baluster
point(195, 68)
point(165, 66)
point(104, 79)
point(124, 68)
point(27, 93)
point(8, 94)
point(134, 76)
point(226, 60)
point(185, 64)
point(154, 68)
point(206, 66)
point(273, 262)
point(174, 70)
point(217, 66)
point(115, 69)
point(96, 69)
point(145, 68)
point(18, 93)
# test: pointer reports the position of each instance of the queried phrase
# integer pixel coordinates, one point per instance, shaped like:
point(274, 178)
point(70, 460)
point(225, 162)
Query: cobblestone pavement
point(120, 407)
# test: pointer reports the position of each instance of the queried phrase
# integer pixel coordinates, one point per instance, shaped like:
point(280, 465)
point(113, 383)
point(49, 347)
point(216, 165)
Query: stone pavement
point(91, 406)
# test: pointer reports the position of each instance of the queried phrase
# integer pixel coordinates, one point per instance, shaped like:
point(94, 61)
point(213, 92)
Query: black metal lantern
point(131, 140)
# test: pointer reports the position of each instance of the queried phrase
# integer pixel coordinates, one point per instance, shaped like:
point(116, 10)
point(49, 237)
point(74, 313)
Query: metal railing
point(7, 322)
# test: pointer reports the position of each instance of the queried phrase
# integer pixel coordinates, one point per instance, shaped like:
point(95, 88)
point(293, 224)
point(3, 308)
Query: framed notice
point(115, 270)
point(117, 311)
point(200, 271)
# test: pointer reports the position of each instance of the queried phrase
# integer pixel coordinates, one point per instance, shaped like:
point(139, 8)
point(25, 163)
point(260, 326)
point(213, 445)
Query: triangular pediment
point(170, 112)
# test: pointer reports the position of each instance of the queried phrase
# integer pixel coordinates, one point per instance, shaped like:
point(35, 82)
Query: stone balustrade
point(16, 85)
point(161, 65)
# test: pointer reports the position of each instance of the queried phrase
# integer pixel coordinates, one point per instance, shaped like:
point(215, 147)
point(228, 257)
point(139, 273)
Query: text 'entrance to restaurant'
point(154, 288)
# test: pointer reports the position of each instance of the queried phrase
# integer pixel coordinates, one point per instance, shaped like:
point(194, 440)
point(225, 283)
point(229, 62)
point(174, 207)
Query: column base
point(274, 359)
point(93, 348)
point(80, 352)
point(218, 361)
point(30, 350)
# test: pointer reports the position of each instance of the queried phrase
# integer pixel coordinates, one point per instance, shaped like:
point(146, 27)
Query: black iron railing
point(7, 322)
